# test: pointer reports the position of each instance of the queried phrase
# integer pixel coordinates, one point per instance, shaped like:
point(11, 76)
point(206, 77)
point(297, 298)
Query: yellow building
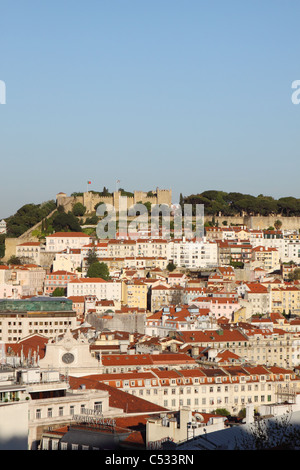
point(134, 293)
point(265, 258)
point(285, 299)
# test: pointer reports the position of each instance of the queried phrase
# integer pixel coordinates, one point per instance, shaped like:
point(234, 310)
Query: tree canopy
point(78, 209)
point(63, 222)
point(233, 203)
point(59, 292)
point(98, 269)
point(28, 216)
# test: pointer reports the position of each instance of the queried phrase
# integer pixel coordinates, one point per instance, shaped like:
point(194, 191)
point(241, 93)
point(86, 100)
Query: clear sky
point(188, 95)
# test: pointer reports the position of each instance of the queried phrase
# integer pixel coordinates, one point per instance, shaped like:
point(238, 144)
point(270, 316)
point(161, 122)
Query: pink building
point(58, 279)
point(220, 306)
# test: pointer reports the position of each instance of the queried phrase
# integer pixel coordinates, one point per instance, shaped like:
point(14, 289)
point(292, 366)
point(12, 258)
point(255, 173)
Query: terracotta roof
point(30, 244)
point(68, 235)
point(117, 398)
point(77, 299)
point(27, 346)
point(207, 336)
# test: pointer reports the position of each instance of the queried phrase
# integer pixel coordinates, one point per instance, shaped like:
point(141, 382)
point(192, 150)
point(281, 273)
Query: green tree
point(78, 209)
point(2, 245)
point(91, 257)
point(98, 269)
point(63, 222)
point(171, 266)
point(14, 260)
point(93, 220)
point(59, 292)
point(222, 412)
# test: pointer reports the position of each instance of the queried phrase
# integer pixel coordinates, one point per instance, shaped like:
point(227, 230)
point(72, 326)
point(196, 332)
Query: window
point(98, 406)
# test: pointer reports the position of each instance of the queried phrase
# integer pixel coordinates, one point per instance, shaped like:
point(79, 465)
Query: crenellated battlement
point(90, 199)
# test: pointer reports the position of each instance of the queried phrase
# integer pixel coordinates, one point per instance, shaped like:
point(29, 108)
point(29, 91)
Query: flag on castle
point(89, 182)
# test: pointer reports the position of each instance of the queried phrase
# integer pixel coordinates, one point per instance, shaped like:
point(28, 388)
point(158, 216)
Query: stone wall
point(258, 222)
point(129, 322)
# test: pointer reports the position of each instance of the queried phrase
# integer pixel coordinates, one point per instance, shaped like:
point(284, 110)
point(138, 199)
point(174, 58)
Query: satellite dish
point(199, 417)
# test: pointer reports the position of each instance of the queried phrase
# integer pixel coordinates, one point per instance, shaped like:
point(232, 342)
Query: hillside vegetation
point(238, 204)
point(28, 216)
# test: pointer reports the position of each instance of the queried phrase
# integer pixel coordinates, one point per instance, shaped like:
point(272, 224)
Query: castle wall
point(258, 222)
point(90, 199)
point(10, 248)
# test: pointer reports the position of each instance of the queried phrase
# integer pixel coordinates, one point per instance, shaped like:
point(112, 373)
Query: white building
point(8, 291)
point(206, 389)
point(180, 426)
point(180, 318)
point(103, 290)
point(193, 254)
point(30, 251)
point(68, 260)
point(19, 321)
point(61, 241)
point(2, 226)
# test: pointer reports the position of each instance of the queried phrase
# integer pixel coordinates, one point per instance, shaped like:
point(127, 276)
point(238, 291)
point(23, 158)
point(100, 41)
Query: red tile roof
point(68, 235)
point(117, 398)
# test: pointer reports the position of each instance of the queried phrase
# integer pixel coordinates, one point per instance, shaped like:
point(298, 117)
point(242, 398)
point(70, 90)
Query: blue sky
point(188, 95)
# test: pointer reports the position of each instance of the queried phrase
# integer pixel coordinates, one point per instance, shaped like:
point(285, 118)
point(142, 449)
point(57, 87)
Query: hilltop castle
point(90, 199)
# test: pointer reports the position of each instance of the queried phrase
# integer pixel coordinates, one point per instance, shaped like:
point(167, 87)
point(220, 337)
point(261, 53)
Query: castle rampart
point(90, 199)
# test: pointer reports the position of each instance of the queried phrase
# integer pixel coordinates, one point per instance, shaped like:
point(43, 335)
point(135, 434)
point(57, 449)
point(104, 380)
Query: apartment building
point(163, 295)
point(285, 299)
point(264, 345)
point(240, 252)
point(181, 318)
point(30, 278)
point(135, 294)
point(21, 318)
point(101, 289)
point(258, 297)
point(61, 241)
point(207, 389)
point(68, 260)
point(29, 251)
point(36, 400)
point(220, 306)
point(58, 279)
point(14, 408)
point(265, 257)
point(193, 254)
